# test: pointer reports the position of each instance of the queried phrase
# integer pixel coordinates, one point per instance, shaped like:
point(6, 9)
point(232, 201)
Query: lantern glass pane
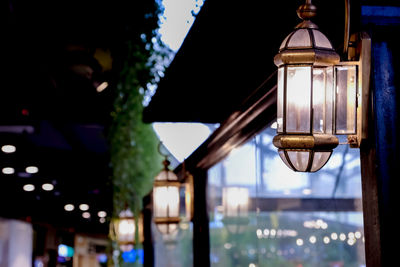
point(322, 100)
point(298, 97)
point(329, 101)
point(319, 94)
point(166, 201)
point(299, 159)
point(301, 38)
point(165, 175)
point(320, 158)
point(167, 229)
point(279, 120)
point(235, 201)
point(346, 91)
point(283, 157)
point(126, 230)
point(283, 44)
point(321, 40)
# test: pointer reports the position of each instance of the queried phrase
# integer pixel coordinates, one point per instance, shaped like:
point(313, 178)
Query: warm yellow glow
point(101, 87)
point(326, 240)
point(235, 201)
point(126, 230)
point(189, 199)
point(166, 201)
point(298, 98)
point(8, 170)
point(29, 187)
point(8, 149)
point(47, 187)
point(69, 207)
point(32, 169)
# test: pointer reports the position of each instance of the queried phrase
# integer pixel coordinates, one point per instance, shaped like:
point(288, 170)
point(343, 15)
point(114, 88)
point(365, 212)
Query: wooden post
point(201, 237)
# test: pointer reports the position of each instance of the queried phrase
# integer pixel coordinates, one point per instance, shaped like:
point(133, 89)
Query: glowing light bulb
point(31, 169)
point(69, 207)
point(47, 187)
point(8, 170)
point(29, 187)
point(8, 149)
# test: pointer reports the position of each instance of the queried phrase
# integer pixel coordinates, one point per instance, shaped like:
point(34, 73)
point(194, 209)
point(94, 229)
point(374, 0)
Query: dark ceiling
point(54, 53)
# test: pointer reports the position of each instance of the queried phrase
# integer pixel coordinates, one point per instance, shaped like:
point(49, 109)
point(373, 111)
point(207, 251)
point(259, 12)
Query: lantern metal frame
point(185, 182)
point(168, 182)
point(138, 230)
point(313, 56)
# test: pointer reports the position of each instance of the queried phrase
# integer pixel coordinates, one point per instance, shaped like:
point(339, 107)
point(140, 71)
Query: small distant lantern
point(166, 202)
point(235, 202)
point(124, 230)
point(316, 96)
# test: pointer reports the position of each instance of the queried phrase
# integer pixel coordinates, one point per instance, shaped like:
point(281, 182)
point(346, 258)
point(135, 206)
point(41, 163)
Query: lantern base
point(304, 160)
point(305, 153)
point(313, 142)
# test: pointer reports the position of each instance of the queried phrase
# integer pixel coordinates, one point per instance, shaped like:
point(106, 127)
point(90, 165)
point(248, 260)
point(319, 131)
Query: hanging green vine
point(133, 144)
point(134, 156)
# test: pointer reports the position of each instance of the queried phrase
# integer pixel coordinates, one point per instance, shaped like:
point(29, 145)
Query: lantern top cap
point(304, 37)
point(166, 175)
point(126, 213)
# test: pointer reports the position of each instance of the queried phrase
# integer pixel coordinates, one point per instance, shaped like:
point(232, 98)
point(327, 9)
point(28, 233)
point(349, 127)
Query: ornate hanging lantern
point(123, 230)
point(235, 201)
point(166, 202)
point(317, 96)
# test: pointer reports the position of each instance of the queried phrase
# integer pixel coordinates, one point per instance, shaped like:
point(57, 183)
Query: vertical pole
point(201, 238)
point(148, 249)
point(385, 58)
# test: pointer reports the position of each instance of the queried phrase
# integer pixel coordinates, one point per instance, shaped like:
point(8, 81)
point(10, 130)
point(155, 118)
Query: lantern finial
point(307, 10)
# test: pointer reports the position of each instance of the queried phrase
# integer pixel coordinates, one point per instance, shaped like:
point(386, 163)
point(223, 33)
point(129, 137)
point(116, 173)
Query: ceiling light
point(47, 187)
point(102, 220)
point(32, 169)
point(29, 187)
point(102, 214)
point(69, 207)
point(86, 215)
point(8, 149)
point(8, 170)
point(101, 87)
point(83, 207)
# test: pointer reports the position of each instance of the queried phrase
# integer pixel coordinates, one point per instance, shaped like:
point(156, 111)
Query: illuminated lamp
point(123, 230)
point(319, 96)
point(166, 200)
point(235, 202)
